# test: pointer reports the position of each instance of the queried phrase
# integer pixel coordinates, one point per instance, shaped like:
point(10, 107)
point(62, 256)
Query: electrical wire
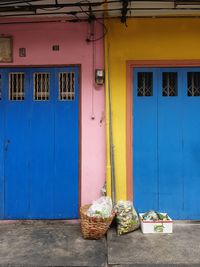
point(182, 2)
point(105, 30)
point(90, 36)
point(93, 67)
point(60, 20)
point(39, 21)
point(25, 2)
point(91, 17)
point(109, 10)
point(18, 2)
point(51, 8)
point(76, 4)
point(81, 5)
point(82, 8)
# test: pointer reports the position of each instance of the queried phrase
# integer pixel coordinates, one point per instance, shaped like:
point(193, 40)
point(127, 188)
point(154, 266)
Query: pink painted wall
point(38, 39)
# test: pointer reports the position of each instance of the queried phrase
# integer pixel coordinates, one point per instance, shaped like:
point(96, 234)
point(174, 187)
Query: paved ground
point(48, 244)
point(58, 243)
point(182, 248)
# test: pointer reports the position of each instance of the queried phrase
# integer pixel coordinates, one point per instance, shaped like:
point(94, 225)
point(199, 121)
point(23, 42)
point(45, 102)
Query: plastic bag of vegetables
point(101, 208)
point(126, 216)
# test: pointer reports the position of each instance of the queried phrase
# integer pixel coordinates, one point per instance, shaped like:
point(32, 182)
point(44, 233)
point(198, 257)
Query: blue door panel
point(39, 142)
point(170, 150)
point(145, 149)
point(2, 143)
point(191, 150)
point(16, 158)
point(42, 151)
point(66, 164)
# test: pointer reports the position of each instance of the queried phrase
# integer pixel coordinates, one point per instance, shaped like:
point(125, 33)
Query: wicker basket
point(93, 227)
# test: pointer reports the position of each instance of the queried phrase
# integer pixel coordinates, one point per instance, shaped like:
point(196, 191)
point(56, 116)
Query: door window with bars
point(66, 86)
point(41, 86)
point(193, 83)
point(16, 86)
point(169, 84)
point(145, 84)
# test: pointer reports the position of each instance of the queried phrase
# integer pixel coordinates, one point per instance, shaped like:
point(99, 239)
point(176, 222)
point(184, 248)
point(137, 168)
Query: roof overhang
point(71, 10)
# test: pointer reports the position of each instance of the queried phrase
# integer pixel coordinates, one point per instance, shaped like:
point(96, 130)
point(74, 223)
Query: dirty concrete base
point(58, 243)
point(182, 248)
point(44, 243)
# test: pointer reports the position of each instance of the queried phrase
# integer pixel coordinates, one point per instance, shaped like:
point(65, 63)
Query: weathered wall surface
point(38, 39)
point(143, 39)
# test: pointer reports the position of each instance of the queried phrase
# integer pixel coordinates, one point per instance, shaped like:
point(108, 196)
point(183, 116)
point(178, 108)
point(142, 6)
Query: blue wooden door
point(39, 143)
point(166, 141)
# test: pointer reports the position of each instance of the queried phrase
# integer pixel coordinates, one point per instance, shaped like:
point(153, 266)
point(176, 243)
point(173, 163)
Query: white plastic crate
point(159, 226)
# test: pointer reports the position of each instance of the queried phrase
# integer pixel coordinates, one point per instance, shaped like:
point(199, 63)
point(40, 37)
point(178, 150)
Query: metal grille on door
point(169, 84)
point(193, 83)
point(145, 84)
point(66, 86)
point(41, 86)
point(16, 86)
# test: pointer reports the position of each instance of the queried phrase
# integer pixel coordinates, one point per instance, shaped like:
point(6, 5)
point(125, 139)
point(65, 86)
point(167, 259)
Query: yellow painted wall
point(143, 39)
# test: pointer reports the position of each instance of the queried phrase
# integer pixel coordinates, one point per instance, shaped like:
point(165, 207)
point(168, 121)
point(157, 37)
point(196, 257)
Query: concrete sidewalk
point(48, 243)
point(59, 243)
point(182, 248)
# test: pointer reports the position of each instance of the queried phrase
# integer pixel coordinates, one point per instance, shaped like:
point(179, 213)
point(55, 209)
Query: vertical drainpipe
point(106, 58)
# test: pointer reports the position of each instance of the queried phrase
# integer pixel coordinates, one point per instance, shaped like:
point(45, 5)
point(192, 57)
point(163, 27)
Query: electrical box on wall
point(99, 76)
